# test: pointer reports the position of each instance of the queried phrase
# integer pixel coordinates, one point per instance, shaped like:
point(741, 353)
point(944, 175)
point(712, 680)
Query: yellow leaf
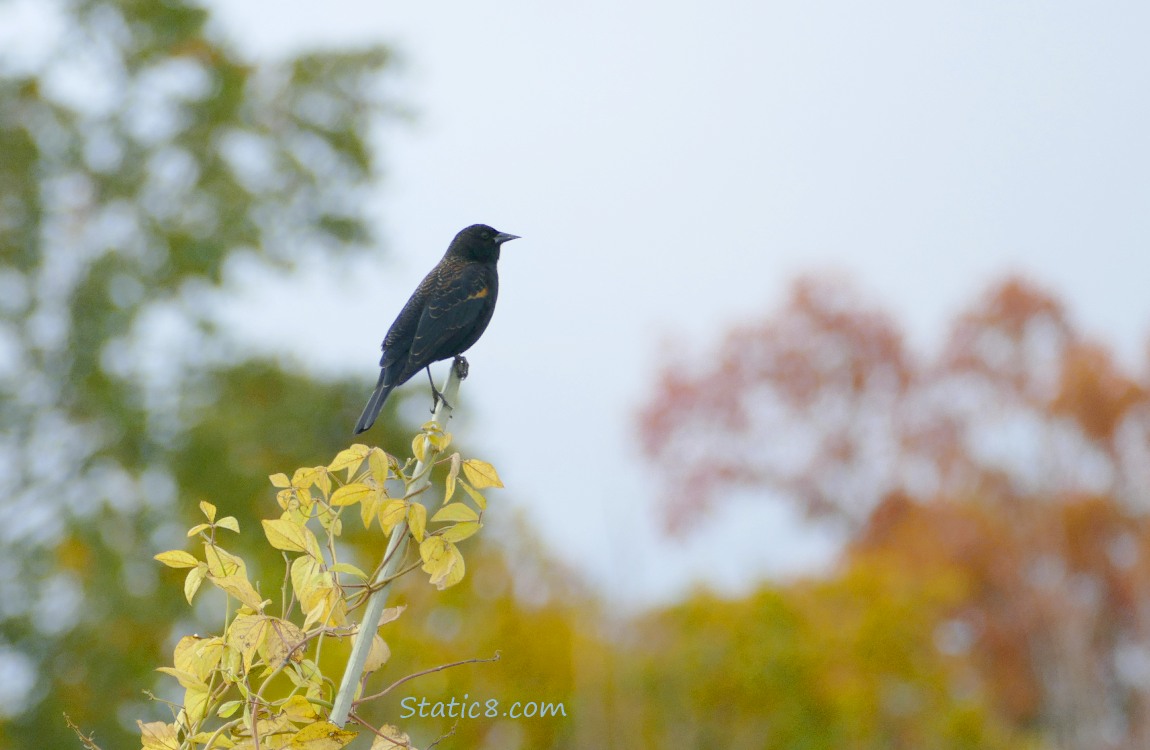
point(284, 498)
point(224, 711)
point(157, 735)
point(303, 498)
point(419, 447)
point(306, 476)
point(442, 561)
point(481, 474)
point(198, 656)
point(222, 563)
point(208, 509)
point(177, 559)
point(350, 494)
point(315, 614)
point(233, 663)
point(307, 675)
point(246, 634)
point(461, 531)
point(274, 731)
point(391, 613)
point(455, 512)
point(432, 551)
point(192, 583)
point(330, 520)
point(391, 514)
point(417, 520)
point(212, 650)
point(229, 573)
point(377, 656)
point(453, 575)
point(230, 523)
point(438, 438)
point(378, 465)
point(336, 614)
point(319, 597)
point(452, 475)
point(306, 576)
point(391, 739)
point(195, 705)
point(322, 735)
point(350, 569)
point(223, 742)
point(240, 588)
point(198, 528)
point(284, 641)
point(349, 458)
point(475, 495)
point(290, 536)
point(298, 709)
point(186, 680)
point(323, 480)
point(369, 506)
point(280, 480)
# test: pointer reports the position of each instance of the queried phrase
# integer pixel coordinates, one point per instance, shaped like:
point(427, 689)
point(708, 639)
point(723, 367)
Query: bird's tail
point(374, 404)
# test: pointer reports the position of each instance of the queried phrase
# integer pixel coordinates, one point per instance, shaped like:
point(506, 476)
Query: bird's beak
point(505, 237)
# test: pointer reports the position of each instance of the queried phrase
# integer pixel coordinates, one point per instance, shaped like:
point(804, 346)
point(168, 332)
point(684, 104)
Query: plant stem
point(421, 673)
point(396, 549)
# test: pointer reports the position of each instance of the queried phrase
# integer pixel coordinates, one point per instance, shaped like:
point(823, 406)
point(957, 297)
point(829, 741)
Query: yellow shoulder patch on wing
point(480, 294)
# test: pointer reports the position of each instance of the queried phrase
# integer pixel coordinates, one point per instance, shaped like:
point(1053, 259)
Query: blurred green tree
point(140, 155)
point(848, 661)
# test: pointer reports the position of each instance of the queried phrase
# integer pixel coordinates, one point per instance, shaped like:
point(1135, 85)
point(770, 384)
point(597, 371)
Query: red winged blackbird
point(447, 314)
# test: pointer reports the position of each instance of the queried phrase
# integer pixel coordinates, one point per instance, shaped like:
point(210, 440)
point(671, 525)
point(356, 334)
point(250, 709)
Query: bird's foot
point(436, 397)
point(436, 394)
point(461, 367)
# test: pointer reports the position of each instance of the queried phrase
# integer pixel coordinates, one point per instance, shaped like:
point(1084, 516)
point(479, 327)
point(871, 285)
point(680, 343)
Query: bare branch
point(410, 677)
point(85, 739)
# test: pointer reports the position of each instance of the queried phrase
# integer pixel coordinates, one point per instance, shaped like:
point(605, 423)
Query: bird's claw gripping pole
point(460, 367)
point(393, 558)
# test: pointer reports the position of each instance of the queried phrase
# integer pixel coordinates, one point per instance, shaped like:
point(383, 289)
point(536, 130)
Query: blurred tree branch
point(142, 154)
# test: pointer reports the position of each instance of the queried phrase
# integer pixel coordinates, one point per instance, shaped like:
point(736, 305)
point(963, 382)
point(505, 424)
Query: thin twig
point(410, 677)
point(442, 737)
point(253, 706)
point(421, 490)
point(370, 588)
point(175, 707)
point(287, 602)
point(85, 739)
point(392, 740)
point(219, 732)
point(400, 528)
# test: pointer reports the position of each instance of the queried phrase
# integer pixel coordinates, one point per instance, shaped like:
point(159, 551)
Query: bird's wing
point(397, 343)
point(450, 315)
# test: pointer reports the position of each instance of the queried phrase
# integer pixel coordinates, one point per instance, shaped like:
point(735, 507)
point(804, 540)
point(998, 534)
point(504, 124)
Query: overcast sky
point(672, 165)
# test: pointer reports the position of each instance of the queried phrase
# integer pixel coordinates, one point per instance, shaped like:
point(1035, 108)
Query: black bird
point(446, 315)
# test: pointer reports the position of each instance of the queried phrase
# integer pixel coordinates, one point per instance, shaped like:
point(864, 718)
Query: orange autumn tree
point(1016, 457)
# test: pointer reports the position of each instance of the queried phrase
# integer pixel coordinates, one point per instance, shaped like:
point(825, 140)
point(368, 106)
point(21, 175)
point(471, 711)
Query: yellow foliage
point(481, 474)
point(260, 652)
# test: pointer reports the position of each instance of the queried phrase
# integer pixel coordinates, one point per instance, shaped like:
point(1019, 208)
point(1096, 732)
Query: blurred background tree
point(1005, 482)
point(140, 158)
